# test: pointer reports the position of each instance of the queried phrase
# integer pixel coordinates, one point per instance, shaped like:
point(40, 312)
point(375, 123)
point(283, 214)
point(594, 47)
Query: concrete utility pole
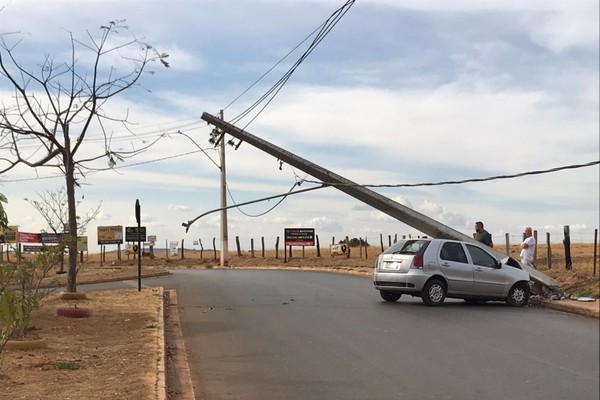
point(394, 209)
point(224, 233)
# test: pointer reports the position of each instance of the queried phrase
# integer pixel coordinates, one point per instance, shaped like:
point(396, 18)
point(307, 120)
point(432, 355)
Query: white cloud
point(324, 223)
point(177, 207)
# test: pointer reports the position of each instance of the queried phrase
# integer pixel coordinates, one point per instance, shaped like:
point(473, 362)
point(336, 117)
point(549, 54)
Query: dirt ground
point(110, 355)
point(115, 350)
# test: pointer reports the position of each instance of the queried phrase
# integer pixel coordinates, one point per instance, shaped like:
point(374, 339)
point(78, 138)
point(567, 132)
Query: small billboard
point(131, 234)
point(110, 234)
point(299, 236)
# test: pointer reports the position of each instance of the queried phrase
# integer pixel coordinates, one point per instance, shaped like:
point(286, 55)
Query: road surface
point(256, 334)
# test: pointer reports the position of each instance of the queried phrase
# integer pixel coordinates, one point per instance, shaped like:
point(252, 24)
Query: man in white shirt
point(528, 248)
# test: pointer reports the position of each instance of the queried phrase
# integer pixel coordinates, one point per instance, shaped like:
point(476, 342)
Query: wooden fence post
point(381, 240)
point(548, 250)
point(182, 247)
point(567, 244)
point(507, 239)
point(214, 248)
point(318, 246)
point(333, 240)
point(595, 248)
point(201, 248)
point(252, 247)
point(395, 237)
point(535, 236)
point(389, 240)
point(237, 243)
point(348, 246)
point(366, 247)
point(262, 241)
point(360, 246)
point(167, 247)
point(277, 248)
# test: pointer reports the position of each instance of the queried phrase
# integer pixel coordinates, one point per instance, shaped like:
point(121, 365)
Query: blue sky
point(398, 92)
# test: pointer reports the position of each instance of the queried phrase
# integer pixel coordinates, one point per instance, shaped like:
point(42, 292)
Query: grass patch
point(586, 293)
point(69, 365)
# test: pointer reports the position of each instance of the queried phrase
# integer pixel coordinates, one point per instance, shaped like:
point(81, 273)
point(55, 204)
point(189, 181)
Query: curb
point(161, 386)
point(181, 364)
point(568, 306)
point(115, 279)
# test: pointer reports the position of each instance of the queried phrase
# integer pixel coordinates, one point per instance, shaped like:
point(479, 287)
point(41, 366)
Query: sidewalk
point(586, 308)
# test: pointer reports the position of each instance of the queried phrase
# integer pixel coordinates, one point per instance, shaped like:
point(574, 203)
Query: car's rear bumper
point(411, 282)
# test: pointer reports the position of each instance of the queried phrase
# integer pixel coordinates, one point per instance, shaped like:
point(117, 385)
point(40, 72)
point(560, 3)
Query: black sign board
point(131, 234)
point(299, 236)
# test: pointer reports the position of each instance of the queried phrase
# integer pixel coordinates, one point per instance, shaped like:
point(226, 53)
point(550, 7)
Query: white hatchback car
point(438, 268)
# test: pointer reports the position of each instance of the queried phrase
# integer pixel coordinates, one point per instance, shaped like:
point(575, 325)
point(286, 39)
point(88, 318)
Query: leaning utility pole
point(388, 206)
point(224, 233)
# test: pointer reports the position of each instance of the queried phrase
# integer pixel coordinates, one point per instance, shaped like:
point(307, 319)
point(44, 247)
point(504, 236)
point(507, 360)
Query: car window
point(414, 247)
point(453, 252)
point(481, 257)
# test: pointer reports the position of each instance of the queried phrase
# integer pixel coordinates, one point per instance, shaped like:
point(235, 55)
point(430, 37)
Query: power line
point(95, 170)
point(264, 212)
point(546, 171)
point(270, 95)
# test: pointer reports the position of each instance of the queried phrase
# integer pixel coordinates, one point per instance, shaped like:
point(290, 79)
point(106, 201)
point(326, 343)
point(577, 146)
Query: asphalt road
point(311, 335)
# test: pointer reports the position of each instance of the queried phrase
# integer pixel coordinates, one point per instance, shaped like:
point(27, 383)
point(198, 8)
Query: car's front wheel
point(518, 295)
point(434, 292)
point(389, 296)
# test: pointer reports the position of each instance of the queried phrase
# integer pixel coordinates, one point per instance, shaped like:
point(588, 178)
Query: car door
point(455, 267)
point(488, 279)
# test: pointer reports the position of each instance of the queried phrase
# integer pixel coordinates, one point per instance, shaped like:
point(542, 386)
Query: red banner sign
point(24, 237)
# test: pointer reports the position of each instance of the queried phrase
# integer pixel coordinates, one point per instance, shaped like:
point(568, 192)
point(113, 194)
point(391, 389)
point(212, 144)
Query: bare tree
point(53, 207)
point(56, 105)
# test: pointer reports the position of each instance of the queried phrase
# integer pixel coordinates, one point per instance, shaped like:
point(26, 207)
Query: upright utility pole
point(224, 234)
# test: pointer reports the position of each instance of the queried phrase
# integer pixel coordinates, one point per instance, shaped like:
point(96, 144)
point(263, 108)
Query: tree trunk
point(72, 205)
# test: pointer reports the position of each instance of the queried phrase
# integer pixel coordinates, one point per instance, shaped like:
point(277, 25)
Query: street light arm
point(190, 222)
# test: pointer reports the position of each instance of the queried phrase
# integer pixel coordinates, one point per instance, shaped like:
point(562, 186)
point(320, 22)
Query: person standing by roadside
point(528, 248)
point(483, 236)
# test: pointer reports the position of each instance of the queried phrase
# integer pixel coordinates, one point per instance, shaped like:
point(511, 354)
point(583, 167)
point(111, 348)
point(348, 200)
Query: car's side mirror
point(498, 264)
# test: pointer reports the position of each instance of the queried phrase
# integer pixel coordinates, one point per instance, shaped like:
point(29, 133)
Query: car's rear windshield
point(414, 247)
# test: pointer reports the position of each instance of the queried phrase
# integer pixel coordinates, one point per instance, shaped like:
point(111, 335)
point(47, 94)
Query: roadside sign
point(28, 248)
point(26, 237)
point(110, 234)
point(131, 234)
point(338, 249)
point(10, 234)
point(299, 236)
point(173, 246)
point(82, 243)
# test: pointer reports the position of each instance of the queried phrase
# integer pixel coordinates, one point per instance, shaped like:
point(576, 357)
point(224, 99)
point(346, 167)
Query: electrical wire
point(491, 178)
point(270, 95)
point(265, 212)
point(95, 170)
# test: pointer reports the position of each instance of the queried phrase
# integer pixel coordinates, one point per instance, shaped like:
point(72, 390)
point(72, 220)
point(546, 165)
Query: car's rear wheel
point(389, 296)
point(518, 295)
point(434, 292)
